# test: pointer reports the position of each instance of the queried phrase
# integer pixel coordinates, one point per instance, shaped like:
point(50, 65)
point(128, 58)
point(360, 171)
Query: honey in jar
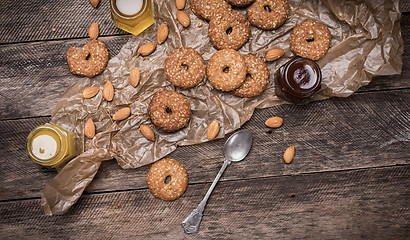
point(133, 16)
point(50, 145)
point(298, 80)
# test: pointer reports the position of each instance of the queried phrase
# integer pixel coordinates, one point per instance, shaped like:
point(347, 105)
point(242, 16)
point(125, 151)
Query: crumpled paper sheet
point(366, 41)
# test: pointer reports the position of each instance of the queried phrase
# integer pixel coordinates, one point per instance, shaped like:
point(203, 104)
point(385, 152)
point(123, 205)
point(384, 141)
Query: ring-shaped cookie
point(157, 177)
point(205, 9)
point(257, 77)
point(310, 39)
point(89, 60)
point(169, 111)
point(226, 70)
point(240, 3)
point(229, 30)
point(268, 14)
point(184, 67)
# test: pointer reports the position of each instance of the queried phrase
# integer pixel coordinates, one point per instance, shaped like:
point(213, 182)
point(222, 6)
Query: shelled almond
point(122, 114)
point(274, 54)
point(134, 77)
point(90, 92)
point(213, 130)
point(289, 154)
point(89, 128)
point(108, 91)
point(147, 132)
point(274, 122)
point(94, 3)
point(180, 4)
point(183, 18)
point(93, 31)
point(162, 33)
point(147, 49)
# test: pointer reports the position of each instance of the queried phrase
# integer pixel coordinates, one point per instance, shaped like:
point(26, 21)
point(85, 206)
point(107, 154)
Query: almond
point(94, 3)
point(213, 130)
point(147, 48)
point(134, 77)
point(122, 114)
point(180, 4)
point(274, 122)
point(93, 31)
point(162, 33)
point(89, 128)
point(183, 18)
point(90, 92)
point(147, 132)
point(289, 153)
point(274, 54)
point(108, 91)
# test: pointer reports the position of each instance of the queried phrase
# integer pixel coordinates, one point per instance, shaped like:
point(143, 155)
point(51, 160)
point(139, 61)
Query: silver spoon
point(235, 149)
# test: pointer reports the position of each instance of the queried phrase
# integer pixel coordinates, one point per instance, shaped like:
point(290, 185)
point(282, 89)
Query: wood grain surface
point(349, 179)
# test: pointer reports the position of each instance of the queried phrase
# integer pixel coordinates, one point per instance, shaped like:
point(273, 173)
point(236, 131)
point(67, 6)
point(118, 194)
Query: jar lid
point(303, 76)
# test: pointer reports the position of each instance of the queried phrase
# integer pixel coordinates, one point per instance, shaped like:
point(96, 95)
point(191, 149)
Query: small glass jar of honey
point(133, 16)
point(298, 80)
point(51, 145)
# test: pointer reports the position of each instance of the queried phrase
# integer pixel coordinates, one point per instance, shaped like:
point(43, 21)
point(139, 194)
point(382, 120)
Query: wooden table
point(350, 177)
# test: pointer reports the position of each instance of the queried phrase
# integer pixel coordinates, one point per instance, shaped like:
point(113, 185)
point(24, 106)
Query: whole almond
point(89, 128)
point(274, 122)
point(93, 31)
point(213, 130)
point(90, 92)
point(134, 77)
point(147, 132)
point(274, 54)
point(147, 48)
point(94, 3)
point(108, 91)
point(183, 18)
point(289, 153)
point(180, 4)
point(122, 114)
point(162, 33)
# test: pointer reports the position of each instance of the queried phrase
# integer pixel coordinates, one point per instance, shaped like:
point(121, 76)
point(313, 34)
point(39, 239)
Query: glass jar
point(133, 16)
point(51, 145)
point(298, 80)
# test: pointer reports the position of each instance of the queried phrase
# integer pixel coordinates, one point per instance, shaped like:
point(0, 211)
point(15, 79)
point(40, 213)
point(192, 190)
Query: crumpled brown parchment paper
point(366, 41)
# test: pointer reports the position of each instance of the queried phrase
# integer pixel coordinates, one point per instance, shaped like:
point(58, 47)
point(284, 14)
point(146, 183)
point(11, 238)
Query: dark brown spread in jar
point(298, 80)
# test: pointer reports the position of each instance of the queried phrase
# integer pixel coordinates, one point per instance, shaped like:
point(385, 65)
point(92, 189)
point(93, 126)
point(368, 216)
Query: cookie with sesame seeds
point(89, 60)
point(268, 14)
point(229, 30)
point(169, 111)
point(205, 9)
point(257, 77)
point(226, 70)
point(310, 39)
point(240, 3)
point(157, 179)
point(184, 67)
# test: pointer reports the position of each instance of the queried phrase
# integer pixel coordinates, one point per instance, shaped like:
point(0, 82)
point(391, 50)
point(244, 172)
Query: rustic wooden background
point(350, 177)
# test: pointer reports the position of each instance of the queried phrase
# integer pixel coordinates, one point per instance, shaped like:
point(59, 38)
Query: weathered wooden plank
point(34, 75)
point(365, 130)
point(367, 203)
point(32, 20)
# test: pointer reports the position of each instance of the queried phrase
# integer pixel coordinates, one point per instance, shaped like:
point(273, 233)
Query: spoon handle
point(191, 223)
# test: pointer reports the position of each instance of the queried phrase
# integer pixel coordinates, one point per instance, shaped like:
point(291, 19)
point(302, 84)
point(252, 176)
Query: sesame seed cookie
point(226, 70)
point(268, 14)
point(229, 30)
point(257, 77)
point(184, 67)
point(240, 3)
point(310, 39)
point(158, 174)
point(89, 60)
point(169, 111)
point(205, 9)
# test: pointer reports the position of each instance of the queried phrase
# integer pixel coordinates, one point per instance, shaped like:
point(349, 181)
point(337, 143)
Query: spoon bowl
point(238, 145)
